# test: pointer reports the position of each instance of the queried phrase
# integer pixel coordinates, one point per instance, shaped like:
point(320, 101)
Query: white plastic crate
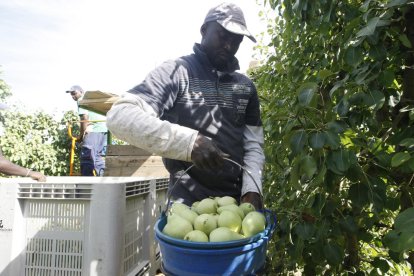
point(80, 226)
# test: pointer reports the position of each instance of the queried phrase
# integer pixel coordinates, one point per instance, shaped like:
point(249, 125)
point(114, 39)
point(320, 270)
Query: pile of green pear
point(218, 219)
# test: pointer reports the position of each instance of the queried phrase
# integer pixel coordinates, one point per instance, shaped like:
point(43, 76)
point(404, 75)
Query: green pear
point(188, 214)
point(196, 236)
point(223, 234)
point(194, 205)
point(233, 208)
point(177, 207)
point(253, 223)
point(207, 206)
point(247, 207)
point(215, 216)
point(177, 227)
point(230, 220)
point(205, 223)
point(226, 200)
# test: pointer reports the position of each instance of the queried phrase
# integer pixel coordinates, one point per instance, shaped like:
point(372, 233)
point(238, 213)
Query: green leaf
point(333, 253)
point(404, 222)
point(318, 204)
point(381, 264)
point(298, 141)
point(369, 29)
point(411, 164)
point(395, 3)
point(321, 175)
point(364, 7)
point(343, 107)
point(399, 159)
point(387, 77)
point(349, 225)
point(337, 126)
point(358, 194)
point(375, 99)
point(323, 74)
point(339, 161)
point(353, 56)
point(378, 193)
point(308, 166)
point(317, 140)
point(332, 139)
point(305, 230)
point(405, 41)
point(408, 142)
point(306, 93)
point(399, 241)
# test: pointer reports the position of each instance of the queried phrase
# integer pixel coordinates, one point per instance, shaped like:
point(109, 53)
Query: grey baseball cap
point(74, 88)
point(231, 18)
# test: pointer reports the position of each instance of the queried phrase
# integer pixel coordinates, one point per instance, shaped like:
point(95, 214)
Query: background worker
point(198, 109)
point(93, 137)
point(9, 168)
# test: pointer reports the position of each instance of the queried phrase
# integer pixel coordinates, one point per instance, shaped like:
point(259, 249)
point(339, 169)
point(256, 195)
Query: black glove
point(253, 198)
point(206, 155)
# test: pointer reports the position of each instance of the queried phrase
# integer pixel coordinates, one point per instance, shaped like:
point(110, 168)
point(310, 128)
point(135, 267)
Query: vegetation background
point(337, 94)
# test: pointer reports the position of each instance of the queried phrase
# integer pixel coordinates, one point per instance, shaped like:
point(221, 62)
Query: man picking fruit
point(198, 109)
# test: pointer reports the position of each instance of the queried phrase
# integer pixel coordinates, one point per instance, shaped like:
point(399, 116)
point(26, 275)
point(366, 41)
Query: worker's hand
point(37, 176)
point(253, 198)
point(206, 155)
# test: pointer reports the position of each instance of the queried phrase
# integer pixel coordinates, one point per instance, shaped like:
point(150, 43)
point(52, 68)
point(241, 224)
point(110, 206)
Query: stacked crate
point(80, 226)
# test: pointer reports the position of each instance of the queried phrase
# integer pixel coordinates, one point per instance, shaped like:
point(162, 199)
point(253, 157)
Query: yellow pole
point(72, 149)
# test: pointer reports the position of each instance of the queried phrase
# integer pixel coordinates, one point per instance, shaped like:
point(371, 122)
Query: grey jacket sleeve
point(132, 120)
point(253, 159)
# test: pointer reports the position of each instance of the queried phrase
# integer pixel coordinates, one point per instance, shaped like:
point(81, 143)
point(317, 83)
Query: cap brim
point(236, 28)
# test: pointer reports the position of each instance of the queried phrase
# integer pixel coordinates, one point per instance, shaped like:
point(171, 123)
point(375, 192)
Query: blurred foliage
point(37, 141)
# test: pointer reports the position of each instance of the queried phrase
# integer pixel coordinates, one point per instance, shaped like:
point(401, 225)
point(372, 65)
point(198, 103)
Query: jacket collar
point(232, 66)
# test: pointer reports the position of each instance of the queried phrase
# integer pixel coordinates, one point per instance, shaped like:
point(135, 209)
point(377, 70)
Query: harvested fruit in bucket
point(216, 219)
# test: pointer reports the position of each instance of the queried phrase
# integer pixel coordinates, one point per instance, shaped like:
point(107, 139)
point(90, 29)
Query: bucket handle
point(192, 165)
point(271, 220)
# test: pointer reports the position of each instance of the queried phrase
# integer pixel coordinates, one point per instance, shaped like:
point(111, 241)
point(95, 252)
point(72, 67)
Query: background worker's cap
point(3, 106)
point(75, 88)
point(231, 18)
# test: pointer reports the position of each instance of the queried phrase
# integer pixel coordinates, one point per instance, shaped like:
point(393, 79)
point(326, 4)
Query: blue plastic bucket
point(241, 257)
